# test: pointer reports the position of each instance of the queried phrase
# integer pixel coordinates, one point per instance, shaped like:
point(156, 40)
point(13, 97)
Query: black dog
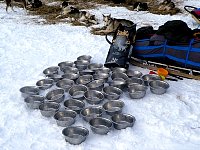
point(139, 6)
point(36, 4)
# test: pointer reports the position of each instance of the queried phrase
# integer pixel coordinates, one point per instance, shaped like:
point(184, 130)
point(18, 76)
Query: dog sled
point(195, 12)
point(177, 49)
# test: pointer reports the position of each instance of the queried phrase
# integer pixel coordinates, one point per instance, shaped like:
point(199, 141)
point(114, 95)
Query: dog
point(9, 3)
point(82, 16)
point(166, 5)
point(139, 6)
point(111, 24)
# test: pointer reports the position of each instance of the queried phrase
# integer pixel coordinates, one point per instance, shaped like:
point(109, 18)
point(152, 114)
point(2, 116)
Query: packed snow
point(163, 122)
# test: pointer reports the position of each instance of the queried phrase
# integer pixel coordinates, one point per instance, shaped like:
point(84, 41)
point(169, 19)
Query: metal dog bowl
point(102, 70)
point(84, 79)
point(56, 95)
point(74, 104)
point(64, 64)
point(122, 121)
point(29, 90)
point(150, 77)
point(119, 70)
point(86, 72)
point(77, 91)
point(94, 97)
point(68, 69)
point(100, 125)
point(134, 73)
point(112, 93)
point(85, 57)
point(91, 112)
point(119, 75)
point(51, 70)
point(158, 87)
point(71, 76)
point(95, 66)
point(65, 118)
point(75, 135)
point(81, 64)
point(55, 77)
point(103, 76)
point(119, 83)
point(113, 107)
point(44, 84)
point(34, 101)
point(96, 85)
point(65, 84)
point(137, 91)
point(48, 109)
point(134, 80)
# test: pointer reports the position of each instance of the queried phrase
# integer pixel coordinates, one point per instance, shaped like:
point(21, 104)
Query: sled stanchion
point(107, 38)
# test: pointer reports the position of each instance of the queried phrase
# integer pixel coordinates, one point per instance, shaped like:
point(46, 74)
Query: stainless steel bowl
point(119, 75)
point(119, 83)
point(68, 69)
point(65, 118)
point(112, 93)
point(55, 77)
point(74, 104)
point(65, 63)
point(103, 76)
point(85, 57)
point(113, 107)
point(34, 101)
point(134, 73)
point(103, 70)
point(137, 91)
point(84, 79)
point(77, 91)
point(119, 70)
point(95, 66)
point(27, 91)
point(71, 76)
point(158, 87)
point(65, 84)
point(94, 97)
point(134, 80)
point(44, 84)
point(81, 64)
point(48, 109)
point(122, 121)
point(86, 72)
point(51, 70)
point(150, 77)
point(56, 95)
point(91, 112)
point(100, 125)
point(75, 135)
point(96, 85)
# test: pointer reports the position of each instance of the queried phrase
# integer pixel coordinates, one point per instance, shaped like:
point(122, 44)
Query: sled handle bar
point(107, 37)
point(188, 7)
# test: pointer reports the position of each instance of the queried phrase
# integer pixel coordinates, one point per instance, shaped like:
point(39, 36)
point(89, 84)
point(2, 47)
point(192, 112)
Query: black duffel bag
point(121, 47)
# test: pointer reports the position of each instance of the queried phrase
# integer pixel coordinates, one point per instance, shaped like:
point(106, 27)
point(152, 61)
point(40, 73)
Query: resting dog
point(111, 24)
point(83, 16)
point(9, 3)
point(139, 6)
point(166, 5)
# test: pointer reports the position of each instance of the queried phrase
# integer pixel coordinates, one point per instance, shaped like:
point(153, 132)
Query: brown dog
point(9, 3)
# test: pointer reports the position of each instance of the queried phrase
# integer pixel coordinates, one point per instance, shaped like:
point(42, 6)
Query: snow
point(27, 47)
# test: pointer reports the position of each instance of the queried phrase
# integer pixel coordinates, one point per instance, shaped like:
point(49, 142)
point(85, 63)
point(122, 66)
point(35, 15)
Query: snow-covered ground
point(166, 122)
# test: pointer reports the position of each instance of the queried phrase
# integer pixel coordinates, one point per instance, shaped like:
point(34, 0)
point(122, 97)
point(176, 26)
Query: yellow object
point(162, 77)
point(162, 72)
